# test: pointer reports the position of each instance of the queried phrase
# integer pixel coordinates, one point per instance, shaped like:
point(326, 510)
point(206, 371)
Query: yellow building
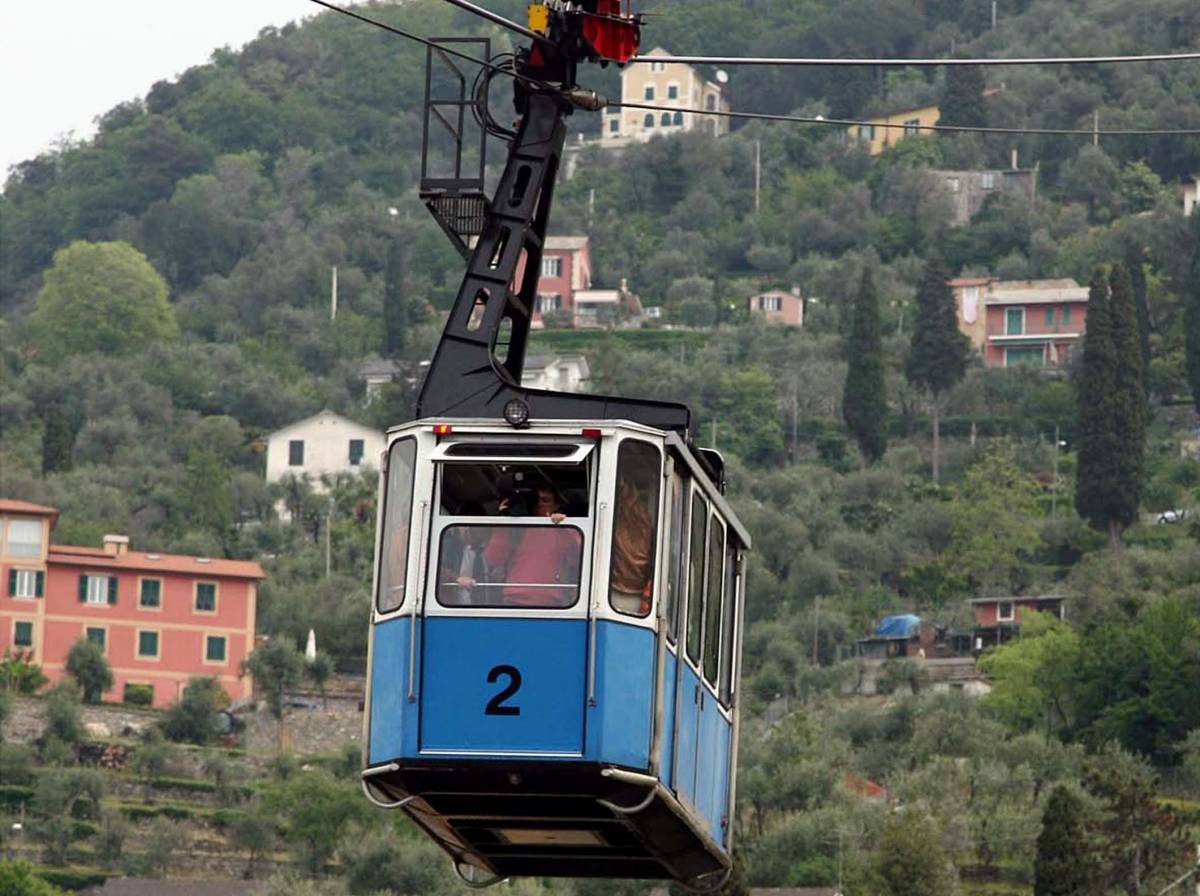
point(903, 124)
point(675, 86)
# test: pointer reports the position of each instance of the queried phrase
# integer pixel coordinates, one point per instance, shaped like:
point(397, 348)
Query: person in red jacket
point(540, 564)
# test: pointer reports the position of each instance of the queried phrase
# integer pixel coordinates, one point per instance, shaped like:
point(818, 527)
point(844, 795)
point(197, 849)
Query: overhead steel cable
point(825, 60)
point(441, 48)
point(756, 116)
point(961, 129)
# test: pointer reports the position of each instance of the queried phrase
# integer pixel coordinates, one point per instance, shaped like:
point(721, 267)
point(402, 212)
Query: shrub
point(193, 718)
point(87, 665)
point(62, 713)
point(20, 673)
point(139, 694)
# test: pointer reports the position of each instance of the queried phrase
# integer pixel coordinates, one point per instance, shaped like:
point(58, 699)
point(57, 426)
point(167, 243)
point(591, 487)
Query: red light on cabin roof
point(592, 433)
point(442, 429)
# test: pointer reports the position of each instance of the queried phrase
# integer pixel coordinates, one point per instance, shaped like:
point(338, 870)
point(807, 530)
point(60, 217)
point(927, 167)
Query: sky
point(62, 64)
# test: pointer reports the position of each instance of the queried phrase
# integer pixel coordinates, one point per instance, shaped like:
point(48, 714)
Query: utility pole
point(714, 433)
point(1095, 127)
point(591, 205)
point(757, 172)
point(993, 15)
point(333, 295)
point(816, 630)
point(329, 538)
point(1054, 481)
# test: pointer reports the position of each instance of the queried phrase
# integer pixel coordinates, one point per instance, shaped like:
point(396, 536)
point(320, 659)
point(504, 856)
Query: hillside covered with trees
point(164, 291)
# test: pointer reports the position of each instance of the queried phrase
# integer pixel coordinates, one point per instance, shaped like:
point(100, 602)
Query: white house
point(563, 373)
point(678, 88)
point(320, 444)
point(1189, 192)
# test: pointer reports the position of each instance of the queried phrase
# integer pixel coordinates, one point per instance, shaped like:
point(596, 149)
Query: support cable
point(825, 60)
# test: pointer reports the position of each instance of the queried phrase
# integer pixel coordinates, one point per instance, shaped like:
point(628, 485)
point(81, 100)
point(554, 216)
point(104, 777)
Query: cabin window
point(635, 528)
point(504, 565)
point(728, 623)
point(695, 611)
point(393, 571)
point(515, 489)
point(712, 601)
point(674, 558)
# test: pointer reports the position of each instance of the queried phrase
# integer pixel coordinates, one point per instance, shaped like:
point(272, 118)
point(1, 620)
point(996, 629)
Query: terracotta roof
point(12, 505)
point(148, 560)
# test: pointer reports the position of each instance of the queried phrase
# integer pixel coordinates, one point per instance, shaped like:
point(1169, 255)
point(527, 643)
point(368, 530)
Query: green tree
point(1112, 410)
point(19, 878)
point(58, 440)
point(315, 810)
point(253, 832)
point(164, 839)
point(62, 713)
point(150, 761)
point(1063, 866)
point(193, 718)
point(911, 860)
point(1192, 315)
point(87, 664)
point(1136, 263)
point(1033, 677)
point(962, 99)
point(103, 297)
point(864, 402)
point(53, 807)
point(319, 671)
point(277, 667)
point(937, 358)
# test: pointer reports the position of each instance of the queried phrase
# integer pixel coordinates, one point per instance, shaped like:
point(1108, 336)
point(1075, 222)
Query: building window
point(552, 267)
point(672, 91)
point(549, 303)
point(356, 452)
point(25, 583)
point(648, 121)
point(206, 597)
point(94, 589)
point(150, 594)
point(770, 303)
point(710, 102)
point(1005, 611)
point(97, 636)
point(658, 66)
point(649, 92)
point(214, 649)
point(296, 453)
point(1030, 357)
point(22, 634)
point(147, 645)
point(912, 127)
point(614, 124)
point(1050, 316)
point(25, 538)
point(666, 119)
point(866, 132)
point(988, 180)
point(1014, 321)
point(1066, 316)
point(677, 119)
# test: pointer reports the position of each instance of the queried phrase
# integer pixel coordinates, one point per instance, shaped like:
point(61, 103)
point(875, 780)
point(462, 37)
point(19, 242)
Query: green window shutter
point(12, 582)
point(83, 580)
point(40, 585)
point(112, 589)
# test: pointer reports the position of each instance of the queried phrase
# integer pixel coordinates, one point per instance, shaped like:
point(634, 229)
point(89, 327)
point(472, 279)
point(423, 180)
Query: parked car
point(1172, 516)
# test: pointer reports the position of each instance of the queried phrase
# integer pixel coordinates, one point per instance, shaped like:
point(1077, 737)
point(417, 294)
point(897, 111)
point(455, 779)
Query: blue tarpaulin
point(904, 625)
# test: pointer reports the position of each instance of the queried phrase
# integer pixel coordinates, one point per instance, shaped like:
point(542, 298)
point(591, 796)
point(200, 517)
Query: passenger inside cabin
point(538, 564)
point(464, 572)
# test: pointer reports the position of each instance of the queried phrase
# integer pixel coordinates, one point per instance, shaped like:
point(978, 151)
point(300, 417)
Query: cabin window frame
point(655, 504)
point(727, 684)
point(694, 614)
point(676, 555)
point(403, 565)
point(714, 598)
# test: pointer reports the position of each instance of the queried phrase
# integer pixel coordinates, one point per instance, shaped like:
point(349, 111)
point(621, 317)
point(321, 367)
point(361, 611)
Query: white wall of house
point(324, 443)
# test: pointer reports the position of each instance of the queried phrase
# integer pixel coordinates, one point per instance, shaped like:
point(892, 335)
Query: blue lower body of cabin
point(490, 689)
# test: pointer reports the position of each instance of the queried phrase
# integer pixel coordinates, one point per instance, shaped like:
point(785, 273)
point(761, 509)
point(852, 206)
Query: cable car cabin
point(555, 648)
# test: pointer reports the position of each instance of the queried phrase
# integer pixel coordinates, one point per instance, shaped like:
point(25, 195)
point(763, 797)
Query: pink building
point(566, 270)
point(779, 306)
point(160, 618)
point(1021, 322)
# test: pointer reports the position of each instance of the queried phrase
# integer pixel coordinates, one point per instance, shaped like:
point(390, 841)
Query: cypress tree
point(937, 357)
point(1112, 410)
point(1062, 866)
point(864, 404)
point(962, 99)
point(395, 310)
point(58, 439)
point(1192, 316)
